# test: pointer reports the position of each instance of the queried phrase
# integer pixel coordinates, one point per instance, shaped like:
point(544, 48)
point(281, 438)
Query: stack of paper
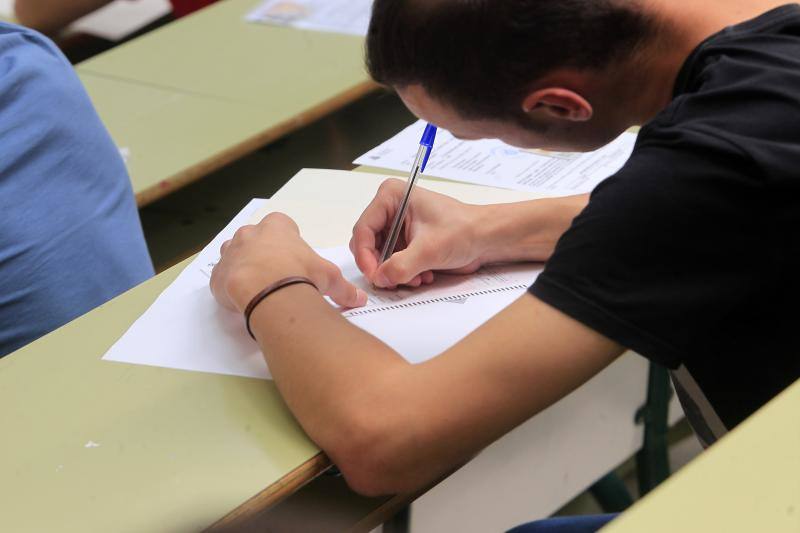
point(494, 163)
point(338, 16)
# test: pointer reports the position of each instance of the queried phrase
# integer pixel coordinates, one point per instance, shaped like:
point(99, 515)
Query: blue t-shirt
point(70, 235)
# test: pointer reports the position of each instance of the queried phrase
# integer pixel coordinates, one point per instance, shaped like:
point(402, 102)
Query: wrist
point(247, 282)
point(496, 233)
point(525, 231)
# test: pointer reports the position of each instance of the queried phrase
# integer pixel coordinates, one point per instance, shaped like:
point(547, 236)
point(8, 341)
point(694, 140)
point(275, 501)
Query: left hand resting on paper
point(271, 250)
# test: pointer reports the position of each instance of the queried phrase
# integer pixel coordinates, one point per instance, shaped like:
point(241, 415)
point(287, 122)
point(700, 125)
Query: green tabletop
point(90, 445)
point(196, 94)
point(170, 137)
point(216, 53)
point(749, 481)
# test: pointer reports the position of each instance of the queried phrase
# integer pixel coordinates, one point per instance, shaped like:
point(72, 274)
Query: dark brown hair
point(481, 56)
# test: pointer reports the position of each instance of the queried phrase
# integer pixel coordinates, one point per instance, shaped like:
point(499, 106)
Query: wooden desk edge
point(231, 154)
point(275, 493)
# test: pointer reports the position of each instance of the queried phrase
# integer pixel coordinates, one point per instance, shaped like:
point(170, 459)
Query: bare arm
point(527, 231)
point(51, 16)
point(443, 234)
point(391, 426)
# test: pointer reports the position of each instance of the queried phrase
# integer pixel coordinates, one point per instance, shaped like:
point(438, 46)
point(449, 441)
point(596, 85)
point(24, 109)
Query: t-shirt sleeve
point(663, 254)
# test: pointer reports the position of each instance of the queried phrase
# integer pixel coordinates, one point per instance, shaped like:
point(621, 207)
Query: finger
point(370, 225)
point(364, 251)
point(403, 266)
point(416, 282)
point(427, 277)
point(217, 289)
point(224, 247)
point(373, 220)
point(344, 293)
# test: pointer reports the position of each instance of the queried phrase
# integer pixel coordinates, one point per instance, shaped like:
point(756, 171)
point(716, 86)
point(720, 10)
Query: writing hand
point(440, 234)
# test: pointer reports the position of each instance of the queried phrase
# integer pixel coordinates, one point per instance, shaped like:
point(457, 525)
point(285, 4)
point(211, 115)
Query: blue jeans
point(566, 524)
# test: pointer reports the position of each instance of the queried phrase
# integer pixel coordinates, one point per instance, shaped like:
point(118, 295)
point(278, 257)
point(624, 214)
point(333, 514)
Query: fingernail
point(381, 280)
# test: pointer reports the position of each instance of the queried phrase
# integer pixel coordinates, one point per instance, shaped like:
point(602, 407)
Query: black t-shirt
point(690, 255)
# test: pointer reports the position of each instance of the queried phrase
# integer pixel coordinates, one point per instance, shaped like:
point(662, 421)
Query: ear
point(559, 103)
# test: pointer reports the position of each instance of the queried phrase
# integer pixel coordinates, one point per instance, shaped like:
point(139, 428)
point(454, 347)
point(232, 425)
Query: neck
point(648, 80)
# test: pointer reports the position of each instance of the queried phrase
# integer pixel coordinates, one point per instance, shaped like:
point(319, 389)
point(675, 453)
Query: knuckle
point(384, 185)
point(398, 272)
point(274, 217)
point(243, 232)
point(389, 185)
point(279, 219)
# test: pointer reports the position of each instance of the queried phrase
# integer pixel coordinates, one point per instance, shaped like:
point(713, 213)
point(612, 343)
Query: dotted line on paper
point(441, 299)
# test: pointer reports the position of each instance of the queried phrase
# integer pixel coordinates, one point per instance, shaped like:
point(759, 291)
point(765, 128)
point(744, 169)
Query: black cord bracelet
point(272, 288)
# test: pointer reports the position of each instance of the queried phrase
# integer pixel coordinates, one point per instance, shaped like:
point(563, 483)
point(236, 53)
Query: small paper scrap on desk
point(120, 18)
point(494, 163)
point(6, 8)
point(186, 329)
point(350, 17)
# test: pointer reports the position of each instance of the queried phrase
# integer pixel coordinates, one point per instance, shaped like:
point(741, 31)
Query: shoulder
point(742, 85)
point(36, 80)
point(42, 102)
point(25, 52)
point(31, 68)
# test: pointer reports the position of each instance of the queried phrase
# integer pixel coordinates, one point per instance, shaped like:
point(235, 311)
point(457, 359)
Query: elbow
point(30, 17)
point(24, 14)
point(49, 20)
point(372, 459)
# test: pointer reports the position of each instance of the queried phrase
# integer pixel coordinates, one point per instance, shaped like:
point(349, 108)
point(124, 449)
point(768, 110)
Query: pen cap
point(428, 136)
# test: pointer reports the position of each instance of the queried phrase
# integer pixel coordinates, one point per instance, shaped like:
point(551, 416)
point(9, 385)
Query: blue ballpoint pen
point(425, 148)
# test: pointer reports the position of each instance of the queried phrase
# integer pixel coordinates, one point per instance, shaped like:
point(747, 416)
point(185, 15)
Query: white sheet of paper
point(121, 18)
point(338, 16)
point(494, 163)
point(186, 329)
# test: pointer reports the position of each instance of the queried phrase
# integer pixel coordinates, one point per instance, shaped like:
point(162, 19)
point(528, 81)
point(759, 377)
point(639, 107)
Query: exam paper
point(338, 16)
point(448, 289)
point(186, 329)
point(494, 163)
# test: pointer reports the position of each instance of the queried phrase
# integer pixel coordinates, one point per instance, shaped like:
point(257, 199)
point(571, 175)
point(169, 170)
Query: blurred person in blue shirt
point(70, 235)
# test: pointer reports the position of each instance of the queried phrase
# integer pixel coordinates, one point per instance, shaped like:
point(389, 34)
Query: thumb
point(404, 266)
point(344, 293)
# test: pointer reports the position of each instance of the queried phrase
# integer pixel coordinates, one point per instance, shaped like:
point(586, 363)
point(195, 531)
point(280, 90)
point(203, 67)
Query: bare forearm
point(356, 398)
point(332, 374)
point(527, 231)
